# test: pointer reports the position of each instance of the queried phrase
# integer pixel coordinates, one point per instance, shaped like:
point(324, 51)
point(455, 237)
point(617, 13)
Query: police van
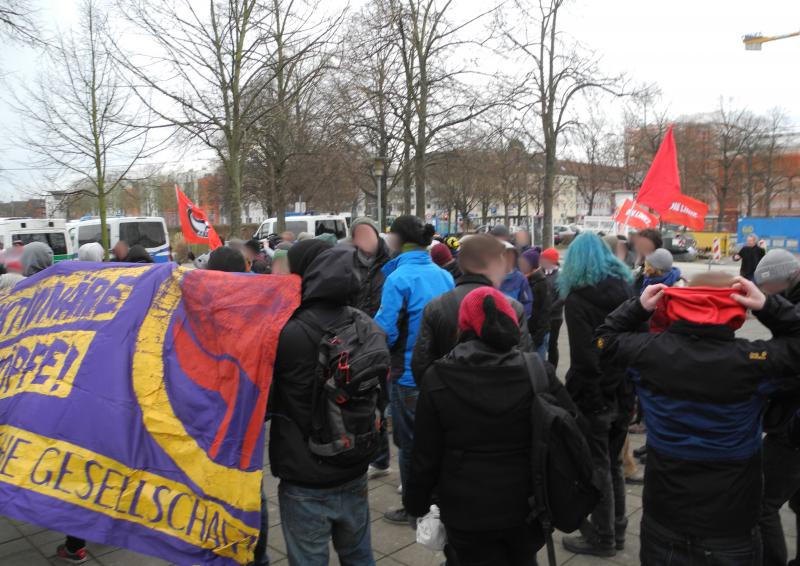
point(149, 232)
point(50, 231)
point(315, 225)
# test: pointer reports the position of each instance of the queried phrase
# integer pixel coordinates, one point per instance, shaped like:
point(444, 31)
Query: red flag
point(662, 184)
point(635, 216)
point(194, 223)
point(686, 211)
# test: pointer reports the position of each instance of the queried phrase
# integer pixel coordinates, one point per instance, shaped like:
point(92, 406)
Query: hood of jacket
point(36, 257)
point(512, 280)
point(607, 294)
point(413, 257)
point(485, 379)
point(331, 277)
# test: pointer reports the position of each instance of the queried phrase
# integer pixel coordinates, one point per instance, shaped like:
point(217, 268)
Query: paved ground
point(23, 544)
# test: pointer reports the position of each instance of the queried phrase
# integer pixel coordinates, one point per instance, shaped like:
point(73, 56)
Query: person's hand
point(748, 295)
point(652, 294)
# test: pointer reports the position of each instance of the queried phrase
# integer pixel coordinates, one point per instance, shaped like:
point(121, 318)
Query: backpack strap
point(540, 383)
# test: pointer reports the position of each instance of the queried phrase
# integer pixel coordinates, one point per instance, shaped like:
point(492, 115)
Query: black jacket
point(370, 280)
point(438, 333)
point(472, 439)
point(784, 400)
point(699, 388)
point(750, 257)
point(453, 269)
point(539, 322)
point(328, 282)
point(592, 384)
point(557, 307)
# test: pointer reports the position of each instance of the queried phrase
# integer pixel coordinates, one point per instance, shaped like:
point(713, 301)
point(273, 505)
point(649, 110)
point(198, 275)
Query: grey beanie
point(660, 259)
point(366, 221)
point(776, 265)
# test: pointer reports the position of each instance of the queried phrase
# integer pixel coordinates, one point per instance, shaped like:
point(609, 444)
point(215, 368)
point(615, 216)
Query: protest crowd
point(447, 346)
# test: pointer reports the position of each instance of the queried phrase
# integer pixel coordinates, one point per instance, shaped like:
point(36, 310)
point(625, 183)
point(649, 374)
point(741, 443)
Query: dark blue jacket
point(516, 286)
point(669, 279)
point(699, 389)
point(412, 280)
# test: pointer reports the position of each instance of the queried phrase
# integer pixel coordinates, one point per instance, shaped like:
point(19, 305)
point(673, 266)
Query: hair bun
point(427, 235)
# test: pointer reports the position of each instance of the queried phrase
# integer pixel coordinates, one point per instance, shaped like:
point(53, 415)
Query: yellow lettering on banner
point(45, 364)
point(61, 299)
point(84, 478)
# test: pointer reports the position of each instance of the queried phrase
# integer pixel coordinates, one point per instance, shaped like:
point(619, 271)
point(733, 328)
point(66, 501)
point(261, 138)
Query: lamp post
point(378, 164)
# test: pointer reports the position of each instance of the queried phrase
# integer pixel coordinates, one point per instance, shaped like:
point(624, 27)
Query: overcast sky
point(691, 48)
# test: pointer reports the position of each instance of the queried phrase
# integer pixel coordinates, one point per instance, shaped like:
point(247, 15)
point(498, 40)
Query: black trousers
point(607, 437)
point(508, 547)
point(663, 547)
point(552, 352)
point(781, 482)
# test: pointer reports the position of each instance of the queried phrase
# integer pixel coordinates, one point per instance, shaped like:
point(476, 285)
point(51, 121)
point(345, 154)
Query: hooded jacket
point(593, 384)
point(539, 322)
point(368, 295)
point(412, 281)
point(36, 257)
point(515, 286)
point(472, 439)
point(699, 388)
point(327, 282)
point(438, 332)
point(557, 308)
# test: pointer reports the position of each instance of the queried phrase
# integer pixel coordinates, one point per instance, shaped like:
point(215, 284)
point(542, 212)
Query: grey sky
point(691, 48)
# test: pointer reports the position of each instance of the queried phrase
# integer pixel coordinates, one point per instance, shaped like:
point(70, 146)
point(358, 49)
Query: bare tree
point(646, 123)
point(734, 129)
point(773, 173)
point(80, 116)
point(558, 71)
point(599, 151)
point(436, 99)
point(18, 21)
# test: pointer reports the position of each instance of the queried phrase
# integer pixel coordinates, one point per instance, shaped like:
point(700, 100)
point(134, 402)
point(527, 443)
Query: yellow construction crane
point(753, 42)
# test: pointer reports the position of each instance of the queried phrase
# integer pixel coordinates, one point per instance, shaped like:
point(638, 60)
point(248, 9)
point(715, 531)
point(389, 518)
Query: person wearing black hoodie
point(473, 438)
point(319, 501)
point(372, 253)
point(593, 283)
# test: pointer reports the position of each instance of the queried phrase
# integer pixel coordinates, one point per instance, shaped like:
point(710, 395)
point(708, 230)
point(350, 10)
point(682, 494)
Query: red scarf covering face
point(699, 305)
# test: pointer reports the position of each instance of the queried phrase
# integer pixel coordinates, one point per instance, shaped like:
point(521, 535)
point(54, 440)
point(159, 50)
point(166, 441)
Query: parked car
point(681, 245)
point(564, 233)
point(315, 224)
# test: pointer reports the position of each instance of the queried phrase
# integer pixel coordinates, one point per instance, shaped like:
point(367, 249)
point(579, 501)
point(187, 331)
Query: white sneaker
point(400, 489)
point(376, 472)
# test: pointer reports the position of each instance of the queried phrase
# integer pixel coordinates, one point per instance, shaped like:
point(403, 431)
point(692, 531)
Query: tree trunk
point(721, 199)
point(419, 183)
point(547, 193)
point(236, 195)
point(101, 203)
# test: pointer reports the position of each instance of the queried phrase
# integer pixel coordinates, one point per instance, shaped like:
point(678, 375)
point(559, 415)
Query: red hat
point(702, 305)
point(488, 313)
point(550, 254)
point(441, 255)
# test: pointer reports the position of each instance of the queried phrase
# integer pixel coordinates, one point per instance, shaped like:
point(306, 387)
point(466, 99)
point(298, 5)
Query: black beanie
point(413, 230)
point(303, 253)
point(226, 259)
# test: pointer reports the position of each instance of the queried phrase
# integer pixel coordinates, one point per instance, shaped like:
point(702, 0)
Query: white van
point(51, 231)
point(147, 231)
point(313, 224)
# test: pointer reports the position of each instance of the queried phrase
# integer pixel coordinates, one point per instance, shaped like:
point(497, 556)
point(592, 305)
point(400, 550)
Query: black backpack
point(350, 389)
point(565, 486)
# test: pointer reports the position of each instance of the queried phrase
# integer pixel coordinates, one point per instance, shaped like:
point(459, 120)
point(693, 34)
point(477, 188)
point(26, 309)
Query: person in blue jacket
point(412, 280)
point(515, 285)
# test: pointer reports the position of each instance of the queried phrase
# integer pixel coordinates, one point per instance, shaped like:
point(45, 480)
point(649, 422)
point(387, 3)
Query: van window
point(335, 227)
point(56, 240)
point(91, 233)
point(297, 226)
point(146, 234)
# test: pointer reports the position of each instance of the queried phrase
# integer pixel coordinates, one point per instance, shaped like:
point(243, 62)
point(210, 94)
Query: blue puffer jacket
point(516, 286)
point(669, 279)
point(412, 280)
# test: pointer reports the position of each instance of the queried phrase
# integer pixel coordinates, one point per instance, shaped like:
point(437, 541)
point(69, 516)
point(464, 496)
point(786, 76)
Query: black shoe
point(398, 517)
point(580, 545)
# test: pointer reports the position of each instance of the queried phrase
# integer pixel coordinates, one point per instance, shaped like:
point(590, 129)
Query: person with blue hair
point(593, 282)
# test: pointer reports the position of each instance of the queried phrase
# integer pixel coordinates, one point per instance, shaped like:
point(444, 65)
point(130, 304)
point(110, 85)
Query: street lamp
point(378, 165)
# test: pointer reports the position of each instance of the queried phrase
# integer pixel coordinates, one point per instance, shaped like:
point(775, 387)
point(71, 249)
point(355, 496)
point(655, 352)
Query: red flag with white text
point(635, 216)
point(194, 223)
point(662, 184)
point(686, 211)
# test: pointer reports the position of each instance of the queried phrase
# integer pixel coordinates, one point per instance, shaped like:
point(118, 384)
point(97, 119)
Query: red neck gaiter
point(701, 305)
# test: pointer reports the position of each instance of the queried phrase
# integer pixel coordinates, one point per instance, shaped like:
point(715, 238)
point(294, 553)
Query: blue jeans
point(544, 347)
point(663, 547)
point(260, 557)
point(404, 410)
point(310, 517)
